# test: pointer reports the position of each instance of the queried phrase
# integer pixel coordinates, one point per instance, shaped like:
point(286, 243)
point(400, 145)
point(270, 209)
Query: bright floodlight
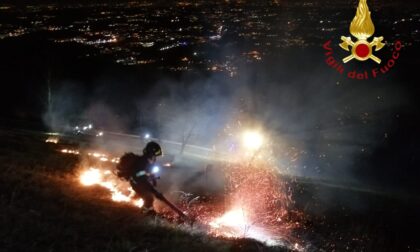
point(147, 136)
point(252, 140)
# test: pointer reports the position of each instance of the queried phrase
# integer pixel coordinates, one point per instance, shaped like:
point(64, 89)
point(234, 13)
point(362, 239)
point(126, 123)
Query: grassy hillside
point(44, 208)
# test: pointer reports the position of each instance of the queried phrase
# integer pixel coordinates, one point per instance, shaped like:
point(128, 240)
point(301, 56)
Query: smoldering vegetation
point(44, 206)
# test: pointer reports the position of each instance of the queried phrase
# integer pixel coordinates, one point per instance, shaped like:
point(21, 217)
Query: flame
point(139, 203)
point(91, 177)
point(236, 218)
point(103, 157)
point(257, 203)
point(236, 223)
point(362, 26)
point(256, 196)
point(69, 151)
point(104, 178)
point(52, 140)
point(96, 154)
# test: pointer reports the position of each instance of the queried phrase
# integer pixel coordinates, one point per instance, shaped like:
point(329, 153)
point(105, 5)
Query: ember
point(255, 205)
point(257, 201)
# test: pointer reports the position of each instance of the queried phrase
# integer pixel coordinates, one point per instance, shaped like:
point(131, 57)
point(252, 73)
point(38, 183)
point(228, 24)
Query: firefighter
point(143, 177)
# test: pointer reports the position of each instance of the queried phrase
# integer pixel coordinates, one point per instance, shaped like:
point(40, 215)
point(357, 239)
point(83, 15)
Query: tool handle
point(168, 203)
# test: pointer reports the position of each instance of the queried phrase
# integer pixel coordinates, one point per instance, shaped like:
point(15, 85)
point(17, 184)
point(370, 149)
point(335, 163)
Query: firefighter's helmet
point(152, 149)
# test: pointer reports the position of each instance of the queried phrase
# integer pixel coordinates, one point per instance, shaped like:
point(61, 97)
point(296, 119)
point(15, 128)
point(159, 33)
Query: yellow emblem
point(362, 28)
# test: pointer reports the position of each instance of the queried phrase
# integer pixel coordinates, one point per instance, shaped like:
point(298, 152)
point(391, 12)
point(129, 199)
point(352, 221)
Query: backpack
point(127, 165)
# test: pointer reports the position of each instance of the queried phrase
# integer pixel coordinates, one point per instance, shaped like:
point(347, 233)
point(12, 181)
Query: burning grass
point(121, 191)
point(254, 205)
point(44, 207)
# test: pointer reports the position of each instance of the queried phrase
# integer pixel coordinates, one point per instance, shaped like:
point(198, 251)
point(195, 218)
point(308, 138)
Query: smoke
point(320, 126)
point(70, 104)
point(330, 123)
point(102, 114)
point(196, 110)
point(64, 103)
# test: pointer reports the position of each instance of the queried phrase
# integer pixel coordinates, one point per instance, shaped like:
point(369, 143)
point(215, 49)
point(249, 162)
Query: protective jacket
point(142, 181)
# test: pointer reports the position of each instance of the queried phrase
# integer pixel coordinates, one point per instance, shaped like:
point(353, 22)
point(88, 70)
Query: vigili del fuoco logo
point(362, 29)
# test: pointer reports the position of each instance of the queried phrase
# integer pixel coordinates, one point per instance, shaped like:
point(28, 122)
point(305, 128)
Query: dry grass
point(43, 208)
